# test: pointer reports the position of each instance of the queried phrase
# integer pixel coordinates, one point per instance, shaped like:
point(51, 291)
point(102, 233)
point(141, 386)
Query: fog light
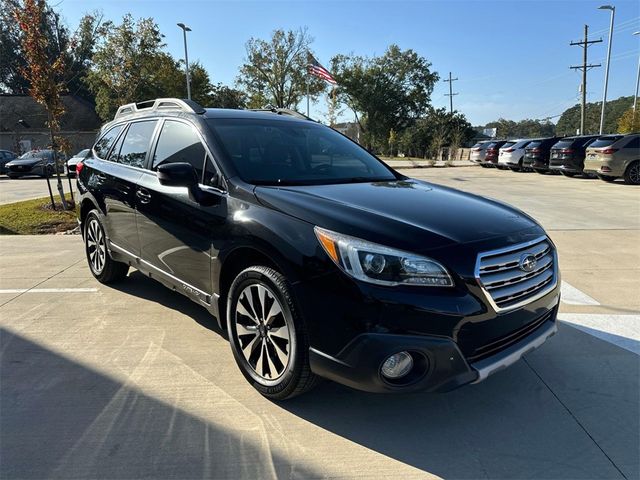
point(397, 365)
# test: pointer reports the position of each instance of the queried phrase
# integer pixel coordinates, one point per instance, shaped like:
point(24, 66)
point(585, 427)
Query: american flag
point(318, 70)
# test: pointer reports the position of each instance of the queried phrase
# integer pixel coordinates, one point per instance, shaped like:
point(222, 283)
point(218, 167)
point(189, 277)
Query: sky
point(511, 57)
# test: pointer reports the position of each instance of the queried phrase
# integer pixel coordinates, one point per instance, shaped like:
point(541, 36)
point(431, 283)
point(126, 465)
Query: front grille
point(501, 275)
point(501, 343)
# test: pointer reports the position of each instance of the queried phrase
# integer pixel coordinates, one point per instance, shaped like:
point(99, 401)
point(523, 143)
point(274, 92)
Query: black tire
point(541, 172)
point(632, 174)
point(606, 178)
point(12, 177)
point(296, 376)
point(102, 266)
point(569, 174)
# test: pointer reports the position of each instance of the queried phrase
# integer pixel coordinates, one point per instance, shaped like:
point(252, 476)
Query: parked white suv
point(511, 155)
point(479, 151)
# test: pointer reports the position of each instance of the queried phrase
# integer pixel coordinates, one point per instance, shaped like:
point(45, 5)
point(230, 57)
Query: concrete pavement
point(27, 188)
point(135, 381)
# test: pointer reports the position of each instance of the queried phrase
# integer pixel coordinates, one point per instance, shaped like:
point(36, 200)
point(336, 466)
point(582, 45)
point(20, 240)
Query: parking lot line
point(572, 296)
point(48, 290)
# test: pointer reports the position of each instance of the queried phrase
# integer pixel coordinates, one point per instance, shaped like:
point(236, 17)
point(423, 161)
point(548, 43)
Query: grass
point(33, 217)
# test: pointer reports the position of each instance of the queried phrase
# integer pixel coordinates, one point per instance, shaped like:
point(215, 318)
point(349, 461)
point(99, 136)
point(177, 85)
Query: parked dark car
point(318, 258)
point(567, 155)
point(537, 153)
point(34, 162)
point(491, 157)
point(5, 156)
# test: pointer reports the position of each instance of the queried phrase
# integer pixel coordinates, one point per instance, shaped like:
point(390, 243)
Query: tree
point(527, 128)
point(275, 70)
point(569, 121)
point(629, 122)
point(333, 108)
point(43, 72)
point(388, 92)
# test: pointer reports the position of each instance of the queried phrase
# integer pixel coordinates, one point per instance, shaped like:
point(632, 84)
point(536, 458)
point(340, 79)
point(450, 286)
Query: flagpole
point(308, 75)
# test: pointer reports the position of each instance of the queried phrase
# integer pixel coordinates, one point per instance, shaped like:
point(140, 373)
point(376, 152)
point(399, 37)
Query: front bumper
point(442, 367)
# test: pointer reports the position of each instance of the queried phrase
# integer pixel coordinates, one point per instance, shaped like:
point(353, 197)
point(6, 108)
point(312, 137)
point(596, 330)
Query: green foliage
point(275, 70)
point(628, 122)
point(439, 128)
point(388, 92)
point(522, 129)
point(34, 217)
point(569, 121)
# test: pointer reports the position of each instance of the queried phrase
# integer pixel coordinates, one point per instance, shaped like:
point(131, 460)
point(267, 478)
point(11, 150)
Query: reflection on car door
point(176, 232)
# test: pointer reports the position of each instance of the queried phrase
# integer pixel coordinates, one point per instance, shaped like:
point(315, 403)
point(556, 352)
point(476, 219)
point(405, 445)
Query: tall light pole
point(635, 97)
point(606, 70)
point(186, 29)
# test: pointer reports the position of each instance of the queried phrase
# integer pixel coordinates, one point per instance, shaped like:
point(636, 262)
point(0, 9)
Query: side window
point(135, 145)
point(178, 142)
point(211, 176)
point(103, 145)
point(635, 143)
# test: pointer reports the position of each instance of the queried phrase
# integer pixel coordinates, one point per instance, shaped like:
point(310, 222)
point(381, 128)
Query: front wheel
point(102, 266)
point(267, 334)
point(632, 174)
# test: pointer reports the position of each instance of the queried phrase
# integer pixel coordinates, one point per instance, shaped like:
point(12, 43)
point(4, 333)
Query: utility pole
point(450, 94)
point(584, 67)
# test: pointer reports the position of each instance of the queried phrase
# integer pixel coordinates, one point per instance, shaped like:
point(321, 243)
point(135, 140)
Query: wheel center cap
point(263, 331)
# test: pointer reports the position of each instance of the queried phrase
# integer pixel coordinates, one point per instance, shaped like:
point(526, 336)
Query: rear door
point(175, 231)
point(119, 176)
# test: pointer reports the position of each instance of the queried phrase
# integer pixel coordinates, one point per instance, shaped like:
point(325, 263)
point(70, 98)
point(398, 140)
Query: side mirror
point(180, 174)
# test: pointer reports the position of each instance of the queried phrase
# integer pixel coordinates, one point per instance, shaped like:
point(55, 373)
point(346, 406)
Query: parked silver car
point(478, 151)
point(615, 156)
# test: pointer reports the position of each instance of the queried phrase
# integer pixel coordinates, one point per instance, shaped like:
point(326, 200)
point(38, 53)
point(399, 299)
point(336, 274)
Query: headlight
point(382, 265)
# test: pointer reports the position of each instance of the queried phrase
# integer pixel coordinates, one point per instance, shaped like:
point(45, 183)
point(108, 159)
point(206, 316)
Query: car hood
point(26, 161)
point(408, 214)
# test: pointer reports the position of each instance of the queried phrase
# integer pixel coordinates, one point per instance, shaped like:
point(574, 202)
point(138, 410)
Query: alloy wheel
point(263, 332)
point(634, 173)
point(96, 246)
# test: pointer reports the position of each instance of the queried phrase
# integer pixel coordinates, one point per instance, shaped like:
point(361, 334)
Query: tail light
point(535, 150)
point(608, 151)
point(476, 149)
point(509, 150)
point(79, 167)
point(566, 150)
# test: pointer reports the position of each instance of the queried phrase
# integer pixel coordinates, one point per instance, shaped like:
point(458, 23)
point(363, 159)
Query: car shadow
point(139, 285)
point(516, 424)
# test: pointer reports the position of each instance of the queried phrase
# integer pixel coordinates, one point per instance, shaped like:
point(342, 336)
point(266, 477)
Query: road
point(134, 381)
point(27, 188)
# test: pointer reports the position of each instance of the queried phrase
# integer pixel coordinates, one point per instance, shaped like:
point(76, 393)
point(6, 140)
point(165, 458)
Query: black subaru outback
point(319, 259)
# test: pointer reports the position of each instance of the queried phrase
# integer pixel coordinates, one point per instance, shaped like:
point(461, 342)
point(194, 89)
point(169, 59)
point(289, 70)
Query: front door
point(177, 233)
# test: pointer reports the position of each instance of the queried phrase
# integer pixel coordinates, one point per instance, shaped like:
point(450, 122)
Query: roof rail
point(283, 111)
point(159, 104)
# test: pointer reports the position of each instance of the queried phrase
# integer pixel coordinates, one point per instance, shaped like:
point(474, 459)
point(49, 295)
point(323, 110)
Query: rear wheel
point(267, 334)
point(541, 172)
point(102, 266)
point(632, 174)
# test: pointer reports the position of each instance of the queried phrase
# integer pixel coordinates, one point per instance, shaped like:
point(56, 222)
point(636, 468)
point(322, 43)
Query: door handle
point(143, 195)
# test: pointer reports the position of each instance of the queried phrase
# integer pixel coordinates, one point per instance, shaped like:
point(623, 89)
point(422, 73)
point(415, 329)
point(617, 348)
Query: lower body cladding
point(565, 165)
point(419, 354)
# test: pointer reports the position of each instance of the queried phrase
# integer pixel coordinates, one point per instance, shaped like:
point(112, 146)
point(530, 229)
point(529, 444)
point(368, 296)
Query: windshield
point(35, 154)
point(605, 141)
point(295, 153)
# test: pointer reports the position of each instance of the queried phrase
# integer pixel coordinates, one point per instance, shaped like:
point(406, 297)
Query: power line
point(584, 67)
point(450, 94)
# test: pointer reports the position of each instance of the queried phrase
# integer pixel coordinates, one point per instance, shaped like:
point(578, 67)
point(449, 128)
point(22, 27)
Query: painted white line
point(572, 296)
point(621, 330)
point(48, 290)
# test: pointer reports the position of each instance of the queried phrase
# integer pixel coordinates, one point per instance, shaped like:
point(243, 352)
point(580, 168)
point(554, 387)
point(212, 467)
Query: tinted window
point(179, 142)
point(284, 152)
point(480, 145)
point(605, 141)
point(565, 143)
point(635, 143)
point(508, 144)
point(534, 144)
point(135, 145)
point(103, 145)
point(211, 177)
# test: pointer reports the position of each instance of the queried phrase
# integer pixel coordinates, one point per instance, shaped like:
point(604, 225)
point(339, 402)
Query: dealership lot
point(134, 381)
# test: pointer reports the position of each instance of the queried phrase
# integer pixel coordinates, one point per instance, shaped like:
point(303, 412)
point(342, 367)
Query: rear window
point(605, 141)
point(508, 144)
point(479, 145)
point(493, 144)
point(534, 144)
point(565, 143)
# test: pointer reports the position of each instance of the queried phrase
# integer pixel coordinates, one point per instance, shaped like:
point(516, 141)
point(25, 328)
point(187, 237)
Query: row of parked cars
point(604, 156)
point(38, 162)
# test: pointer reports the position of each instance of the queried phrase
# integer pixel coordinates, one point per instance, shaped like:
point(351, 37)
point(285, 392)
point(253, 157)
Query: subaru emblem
point(528, 262)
